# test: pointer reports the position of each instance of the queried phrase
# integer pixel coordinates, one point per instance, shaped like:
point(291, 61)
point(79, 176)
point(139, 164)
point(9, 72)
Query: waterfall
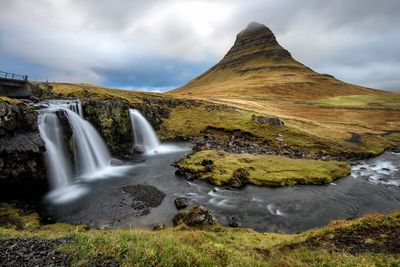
point(144, 137)
point(90, 152)
point(74, 105)
point(51, 132)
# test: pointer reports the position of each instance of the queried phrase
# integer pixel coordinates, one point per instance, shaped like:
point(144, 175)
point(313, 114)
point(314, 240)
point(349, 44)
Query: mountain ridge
point(257, 66)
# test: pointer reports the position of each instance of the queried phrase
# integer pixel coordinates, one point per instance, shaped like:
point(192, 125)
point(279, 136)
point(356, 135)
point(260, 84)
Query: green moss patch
point(359, 100)
point(223, 168)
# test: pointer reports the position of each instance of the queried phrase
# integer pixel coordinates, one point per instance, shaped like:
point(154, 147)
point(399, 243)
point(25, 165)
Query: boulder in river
point(197, 216)
point(181, 202)
point(239, 178)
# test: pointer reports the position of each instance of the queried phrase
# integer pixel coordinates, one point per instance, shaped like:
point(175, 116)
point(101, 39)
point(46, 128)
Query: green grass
point(264, 170)
point(359, 100)
point(193, 121)
point(4, 99)
point(94, 92)
point(217, 246)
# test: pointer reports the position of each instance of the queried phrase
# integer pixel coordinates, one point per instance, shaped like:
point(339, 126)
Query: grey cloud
point(166, 43)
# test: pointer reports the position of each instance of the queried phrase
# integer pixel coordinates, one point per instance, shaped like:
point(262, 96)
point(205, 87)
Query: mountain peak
point(256, 41)
point(255, 29)
point(258, 67)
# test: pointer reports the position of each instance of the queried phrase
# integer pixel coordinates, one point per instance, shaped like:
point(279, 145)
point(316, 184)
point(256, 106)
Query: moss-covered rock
point(237, 170)
point(197, 216)
point(111, 118)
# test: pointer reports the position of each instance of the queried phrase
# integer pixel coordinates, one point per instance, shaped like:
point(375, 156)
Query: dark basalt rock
point(208, 165)
point(355, 139)
point(138, 149)
point(188, 174)
point(197, 216)
point(22, 167)
point(266, 120)
point(32, 252)
point(144, 197)
point(239, 178)
point(181, 202)
point(111, 119)
point(159, 227)
point(233, 221)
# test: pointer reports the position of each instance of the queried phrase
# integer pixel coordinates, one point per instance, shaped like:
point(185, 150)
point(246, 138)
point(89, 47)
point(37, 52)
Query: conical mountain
point(258, 67)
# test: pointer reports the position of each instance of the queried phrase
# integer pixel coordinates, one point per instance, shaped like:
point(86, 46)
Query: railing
point(13, 76)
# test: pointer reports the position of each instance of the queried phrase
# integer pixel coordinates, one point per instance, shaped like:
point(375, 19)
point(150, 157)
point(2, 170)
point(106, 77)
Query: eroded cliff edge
point(22, 166)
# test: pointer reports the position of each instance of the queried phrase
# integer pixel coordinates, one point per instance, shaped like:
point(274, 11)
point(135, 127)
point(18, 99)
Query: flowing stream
point(78, 196)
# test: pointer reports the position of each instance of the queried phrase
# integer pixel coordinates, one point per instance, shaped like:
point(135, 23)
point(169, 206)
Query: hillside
point(259, 75)
point(258, 67)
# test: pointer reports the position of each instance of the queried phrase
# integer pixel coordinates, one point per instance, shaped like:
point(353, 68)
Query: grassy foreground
point(263, 170)
point(368, 241)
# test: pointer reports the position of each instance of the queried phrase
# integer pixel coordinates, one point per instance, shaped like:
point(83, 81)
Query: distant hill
point(258, 67)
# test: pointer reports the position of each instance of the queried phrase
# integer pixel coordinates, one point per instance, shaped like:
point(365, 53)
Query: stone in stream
point(239, 178)
point(233, 221)
point(158, 227)
point(138, 149)
point(181, 202)
point(197, 216)
point(143, 197)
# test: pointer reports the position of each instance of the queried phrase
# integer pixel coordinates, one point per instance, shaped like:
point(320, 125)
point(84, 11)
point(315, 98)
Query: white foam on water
point(382, 172)
point(66, 194)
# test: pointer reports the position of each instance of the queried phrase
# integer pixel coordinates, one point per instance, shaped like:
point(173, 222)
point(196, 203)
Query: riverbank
point(368, 241)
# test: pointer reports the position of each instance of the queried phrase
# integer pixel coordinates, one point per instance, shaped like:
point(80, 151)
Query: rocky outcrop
point(197, 216)
point(266, 120)
point(22, 166)
point(181, 203)
point(240, 178)
point(111, 119)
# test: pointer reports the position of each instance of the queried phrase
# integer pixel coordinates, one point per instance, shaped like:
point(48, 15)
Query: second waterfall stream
point(76, 153)
point(70, 159)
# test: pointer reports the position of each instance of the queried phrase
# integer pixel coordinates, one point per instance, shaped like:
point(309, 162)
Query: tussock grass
point(216, 246)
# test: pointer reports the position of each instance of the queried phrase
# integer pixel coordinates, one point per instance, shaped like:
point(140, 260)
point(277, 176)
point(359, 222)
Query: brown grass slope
point(259, 75)
point(257, 67)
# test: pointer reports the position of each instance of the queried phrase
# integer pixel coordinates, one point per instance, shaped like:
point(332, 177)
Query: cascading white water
point(51, 132)
point(74, 105)
point(144, 137)
point(91, 155)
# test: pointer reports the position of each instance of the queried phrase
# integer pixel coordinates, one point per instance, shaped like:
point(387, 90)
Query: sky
point(162, 44)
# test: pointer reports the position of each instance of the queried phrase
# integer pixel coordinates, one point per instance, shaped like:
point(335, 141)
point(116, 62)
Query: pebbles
point(32, 252)
point(144, 197)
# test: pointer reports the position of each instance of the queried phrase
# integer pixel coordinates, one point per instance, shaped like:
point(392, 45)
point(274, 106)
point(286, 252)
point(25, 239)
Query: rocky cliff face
point(111, 119)
point(22, 166)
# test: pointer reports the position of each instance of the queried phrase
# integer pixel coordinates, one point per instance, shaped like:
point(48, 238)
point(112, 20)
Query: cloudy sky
point(162, 44)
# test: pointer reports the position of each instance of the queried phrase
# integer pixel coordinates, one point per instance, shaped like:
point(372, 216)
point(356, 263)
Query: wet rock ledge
point(22, 166)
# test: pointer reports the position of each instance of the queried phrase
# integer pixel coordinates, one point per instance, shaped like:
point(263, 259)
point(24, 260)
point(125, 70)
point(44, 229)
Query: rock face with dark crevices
point(254, 42)
point(22, 166)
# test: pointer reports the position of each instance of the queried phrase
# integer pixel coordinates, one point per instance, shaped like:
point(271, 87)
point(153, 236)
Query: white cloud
point(97, 41)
